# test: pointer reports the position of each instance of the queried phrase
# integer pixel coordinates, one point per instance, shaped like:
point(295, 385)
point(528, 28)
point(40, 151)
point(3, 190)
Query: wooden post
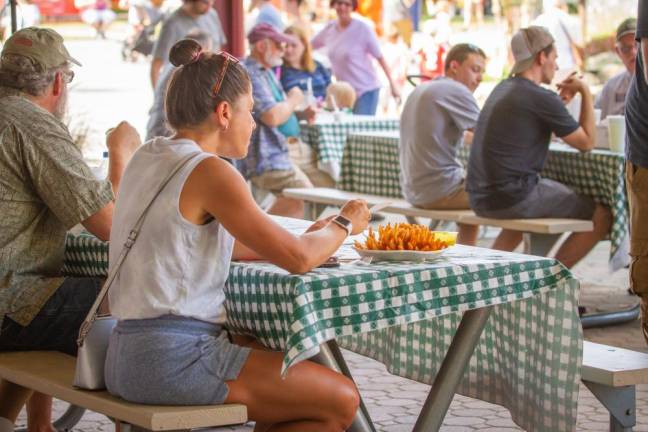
point(230, 13)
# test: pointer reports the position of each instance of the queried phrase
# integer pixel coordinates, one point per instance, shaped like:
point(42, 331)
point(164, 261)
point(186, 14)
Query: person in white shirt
point(566, 32)
point(611, 100)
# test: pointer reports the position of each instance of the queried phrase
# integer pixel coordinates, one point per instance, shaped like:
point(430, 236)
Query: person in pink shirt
point(351, 46)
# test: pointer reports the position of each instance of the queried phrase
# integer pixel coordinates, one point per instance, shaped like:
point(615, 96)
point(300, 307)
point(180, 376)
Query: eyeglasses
point(67, 76)
point(627, 49)
point(229, 58)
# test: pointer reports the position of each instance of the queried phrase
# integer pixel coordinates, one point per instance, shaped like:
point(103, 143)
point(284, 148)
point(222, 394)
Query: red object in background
point(61, 8)
point(425, 63)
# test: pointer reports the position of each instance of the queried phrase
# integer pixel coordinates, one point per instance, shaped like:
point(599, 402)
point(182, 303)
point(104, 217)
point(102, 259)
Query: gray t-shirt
point(611, 100)
point(157, 122)
point(511, 142)
point(432, 124)
point(179, 24)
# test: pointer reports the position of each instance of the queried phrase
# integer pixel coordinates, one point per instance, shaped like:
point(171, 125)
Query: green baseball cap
point(628, 25)
point(43, 46)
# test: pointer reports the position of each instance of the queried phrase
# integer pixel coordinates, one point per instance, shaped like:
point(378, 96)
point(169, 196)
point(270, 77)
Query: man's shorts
point(548, 199)
point(304, 172)
point(457, 199)
point(56, 327)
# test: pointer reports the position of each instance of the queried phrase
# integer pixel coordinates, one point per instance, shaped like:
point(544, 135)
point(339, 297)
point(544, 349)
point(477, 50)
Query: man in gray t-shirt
point(434, 120)
point(191, 15)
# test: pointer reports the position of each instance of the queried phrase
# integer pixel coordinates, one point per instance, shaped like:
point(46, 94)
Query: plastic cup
point(616, 133)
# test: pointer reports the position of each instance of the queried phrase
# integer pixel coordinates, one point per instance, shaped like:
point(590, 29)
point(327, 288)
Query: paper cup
point(616, 133)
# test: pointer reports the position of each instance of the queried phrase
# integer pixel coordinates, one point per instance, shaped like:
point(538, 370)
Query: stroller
point(141, 42)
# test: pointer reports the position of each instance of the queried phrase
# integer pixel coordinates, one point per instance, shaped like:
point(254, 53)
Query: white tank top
point(175, 267)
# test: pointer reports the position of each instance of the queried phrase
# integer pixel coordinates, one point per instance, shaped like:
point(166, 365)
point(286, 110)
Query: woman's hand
point(395, 94)
point(358, 213)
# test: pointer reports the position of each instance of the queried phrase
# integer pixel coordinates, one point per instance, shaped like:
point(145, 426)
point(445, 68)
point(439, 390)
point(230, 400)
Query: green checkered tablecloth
point(405, 315)
point(370, 165)
point(328, 136)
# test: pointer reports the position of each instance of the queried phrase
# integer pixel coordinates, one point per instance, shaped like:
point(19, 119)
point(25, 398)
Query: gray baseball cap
point(526, 43)
point(43, 46)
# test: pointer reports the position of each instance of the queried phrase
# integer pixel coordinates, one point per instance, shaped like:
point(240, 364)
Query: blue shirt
point(637, 100)
point(268, 149)
point(321, 78)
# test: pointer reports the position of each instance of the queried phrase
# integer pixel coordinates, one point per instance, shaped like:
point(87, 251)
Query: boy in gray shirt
point(434, 120)
point(191, 15)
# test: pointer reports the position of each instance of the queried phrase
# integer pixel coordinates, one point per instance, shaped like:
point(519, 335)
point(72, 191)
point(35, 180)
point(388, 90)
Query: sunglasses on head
point(229, 58)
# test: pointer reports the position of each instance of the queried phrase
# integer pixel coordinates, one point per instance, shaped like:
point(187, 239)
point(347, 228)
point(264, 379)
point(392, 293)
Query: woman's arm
point(394, 90)
point(217, 189)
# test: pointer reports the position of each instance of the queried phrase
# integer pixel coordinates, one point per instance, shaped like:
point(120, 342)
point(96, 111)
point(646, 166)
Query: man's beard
point(273, 61)
point(61, 106)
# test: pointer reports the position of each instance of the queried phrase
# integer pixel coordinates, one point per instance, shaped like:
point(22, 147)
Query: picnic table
point(407, 315)
point(328, 136)
point(371, 165)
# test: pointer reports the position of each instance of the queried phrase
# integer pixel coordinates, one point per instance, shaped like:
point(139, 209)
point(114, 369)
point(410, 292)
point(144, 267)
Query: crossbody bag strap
point(132, 236)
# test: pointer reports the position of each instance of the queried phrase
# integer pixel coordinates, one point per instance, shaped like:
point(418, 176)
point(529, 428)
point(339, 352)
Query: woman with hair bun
point(170, 346)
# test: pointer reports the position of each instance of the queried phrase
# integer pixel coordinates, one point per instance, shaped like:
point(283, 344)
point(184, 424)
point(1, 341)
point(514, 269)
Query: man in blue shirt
point(277, 159)
point(637, 166)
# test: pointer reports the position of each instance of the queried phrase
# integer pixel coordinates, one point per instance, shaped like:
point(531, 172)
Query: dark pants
point(56, 327)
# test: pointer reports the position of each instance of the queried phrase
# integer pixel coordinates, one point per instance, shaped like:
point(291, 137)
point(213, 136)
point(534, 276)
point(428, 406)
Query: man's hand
point(568, 88)
point(295, 97)
point(122, 141)
point(308, 114)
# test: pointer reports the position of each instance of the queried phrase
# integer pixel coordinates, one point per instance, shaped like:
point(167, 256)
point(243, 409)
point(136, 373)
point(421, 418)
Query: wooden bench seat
point(611, 374)
point(335, 197)
point(51, 373)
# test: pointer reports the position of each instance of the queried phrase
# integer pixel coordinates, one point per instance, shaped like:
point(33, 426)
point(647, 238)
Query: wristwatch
point(343, 222)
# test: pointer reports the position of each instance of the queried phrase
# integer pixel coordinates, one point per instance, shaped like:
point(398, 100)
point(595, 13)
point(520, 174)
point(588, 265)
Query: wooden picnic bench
point(52, 373)
point(611, 374)
point(539, 234)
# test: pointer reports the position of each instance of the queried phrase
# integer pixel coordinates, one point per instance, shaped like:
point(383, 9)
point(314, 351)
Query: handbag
point(96, 329)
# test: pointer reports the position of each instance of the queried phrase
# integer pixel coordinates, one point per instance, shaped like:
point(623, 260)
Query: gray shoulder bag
point(96, 330)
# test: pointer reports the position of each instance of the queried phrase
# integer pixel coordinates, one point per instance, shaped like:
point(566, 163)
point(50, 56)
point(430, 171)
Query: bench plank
point(612, 366)
point(52, 373)
point(337, 197)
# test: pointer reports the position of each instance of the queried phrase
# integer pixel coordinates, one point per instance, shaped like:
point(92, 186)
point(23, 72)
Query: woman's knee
point(347, 400)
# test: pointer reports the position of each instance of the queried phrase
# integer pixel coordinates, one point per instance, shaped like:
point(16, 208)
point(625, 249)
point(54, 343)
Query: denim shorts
point(56, 326)
point(172, 360)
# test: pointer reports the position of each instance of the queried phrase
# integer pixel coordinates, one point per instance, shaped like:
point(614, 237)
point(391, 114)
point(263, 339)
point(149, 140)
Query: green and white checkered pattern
point(370, 165)
point(405, 315)
point(328, 137)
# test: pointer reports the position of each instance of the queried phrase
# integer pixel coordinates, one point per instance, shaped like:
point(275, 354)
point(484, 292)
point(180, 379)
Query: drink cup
point(616, 133)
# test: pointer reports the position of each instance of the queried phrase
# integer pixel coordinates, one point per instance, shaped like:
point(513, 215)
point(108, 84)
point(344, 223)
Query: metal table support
point(331, 357)
point(621, 403)
point(452, 370)
point(539, 244)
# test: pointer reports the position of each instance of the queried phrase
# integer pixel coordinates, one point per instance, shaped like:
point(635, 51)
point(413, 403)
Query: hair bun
point(184, 52)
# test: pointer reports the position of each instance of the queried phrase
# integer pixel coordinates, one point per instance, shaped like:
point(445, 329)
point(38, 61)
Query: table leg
point(452, 370)
point(331, 357)
point(539, 244)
